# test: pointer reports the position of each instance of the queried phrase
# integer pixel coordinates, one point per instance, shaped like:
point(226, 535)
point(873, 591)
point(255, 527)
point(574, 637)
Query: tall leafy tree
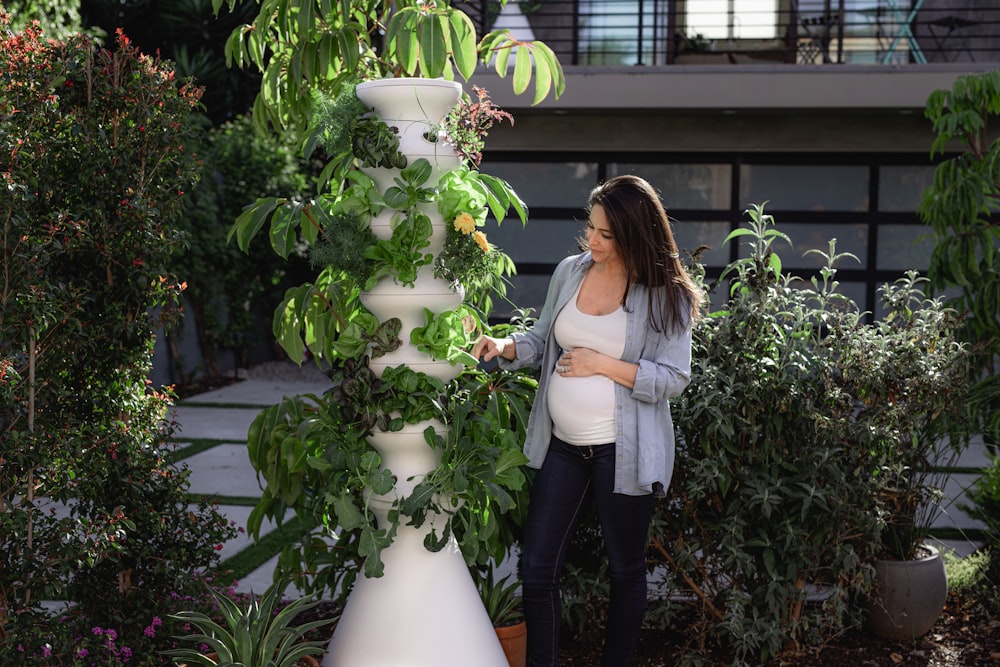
point(309, 47)
point(961, 206)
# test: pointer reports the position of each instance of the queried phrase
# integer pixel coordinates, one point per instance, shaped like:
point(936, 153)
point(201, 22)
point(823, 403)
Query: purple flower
point(47, 651)
point(82, 652)
point(97, 631)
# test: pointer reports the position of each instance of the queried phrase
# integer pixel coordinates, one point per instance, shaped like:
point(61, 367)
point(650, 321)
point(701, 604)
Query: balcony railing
point(664, 32)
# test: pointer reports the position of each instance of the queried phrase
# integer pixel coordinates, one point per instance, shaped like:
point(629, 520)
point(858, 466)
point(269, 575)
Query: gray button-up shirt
point(645, 431)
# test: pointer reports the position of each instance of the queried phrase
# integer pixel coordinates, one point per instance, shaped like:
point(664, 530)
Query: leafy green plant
point(800, 420)
point(86, 283)
point(985, 507)
point(375, 144)
point(325, 48)
point(448, 335)
point(960, 207)
point(500, 596)
point(258, 635)
point(480, 467)
point(969, 580)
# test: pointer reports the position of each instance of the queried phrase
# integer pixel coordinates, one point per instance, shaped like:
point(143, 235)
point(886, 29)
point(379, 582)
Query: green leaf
point(349, 516)
point(522, 70)
point(431, 30)
point(463, 43)
point(250, 222)
point(284, 223)
point(543, 80)
point(502, 58)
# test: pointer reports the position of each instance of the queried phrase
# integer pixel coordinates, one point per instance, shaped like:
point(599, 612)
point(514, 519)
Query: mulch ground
point(961, 638)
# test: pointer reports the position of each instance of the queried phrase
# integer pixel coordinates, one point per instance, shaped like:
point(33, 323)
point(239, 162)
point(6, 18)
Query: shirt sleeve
point(665, 369)
point(531, 343)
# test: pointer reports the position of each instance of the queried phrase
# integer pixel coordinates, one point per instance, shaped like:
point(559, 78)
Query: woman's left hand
point(579, 362)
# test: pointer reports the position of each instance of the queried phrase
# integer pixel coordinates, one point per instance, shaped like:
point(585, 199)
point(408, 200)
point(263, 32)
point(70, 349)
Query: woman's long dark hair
point(646, 245)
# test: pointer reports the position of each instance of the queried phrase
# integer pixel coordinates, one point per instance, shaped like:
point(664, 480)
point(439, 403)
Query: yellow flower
point(465, 223)
point(480, 238)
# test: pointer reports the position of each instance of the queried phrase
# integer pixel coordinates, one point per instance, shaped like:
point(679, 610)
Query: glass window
point(692, 235)
point(904, 247)
point(698, 186)
point(805, 187)
point(851, 239)
point(547, 184)
point(900, 188)
point(733, 19)
point(524, 291)
point(541, 241)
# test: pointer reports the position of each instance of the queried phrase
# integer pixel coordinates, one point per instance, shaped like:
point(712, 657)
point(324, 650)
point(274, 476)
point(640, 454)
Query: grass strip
point(264, 549)
point(196, 446)
point(238, 501)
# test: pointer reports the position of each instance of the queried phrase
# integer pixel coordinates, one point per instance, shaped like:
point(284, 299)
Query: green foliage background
point(95, 157)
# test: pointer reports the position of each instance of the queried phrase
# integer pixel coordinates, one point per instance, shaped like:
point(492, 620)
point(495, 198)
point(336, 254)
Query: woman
point(613, 341)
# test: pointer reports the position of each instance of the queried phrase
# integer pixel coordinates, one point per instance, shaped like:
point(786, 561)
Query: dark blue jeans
point(570, 476)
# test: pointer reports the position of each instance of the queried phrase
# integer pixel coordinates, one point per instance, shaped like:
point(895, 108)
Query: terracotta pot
point(908, 597)
point(514, 640)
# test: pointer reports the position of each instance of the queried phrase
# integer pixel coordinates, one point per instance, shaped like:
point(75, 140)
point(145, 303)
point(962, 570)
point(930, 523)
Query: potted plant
point(396, 453)
point(502, 600)
point(798, 409)
point(258, 634)
point(423, 207)
point(915, 401)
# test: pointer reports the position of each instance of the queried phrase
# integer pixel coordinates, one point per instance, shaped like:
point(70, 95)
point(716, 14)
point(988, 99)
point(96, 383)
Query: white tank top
point(583, 408)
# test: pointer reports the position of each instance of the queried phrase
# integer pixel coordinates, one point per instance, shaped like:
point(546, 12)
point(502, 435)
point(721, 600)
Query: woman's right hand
point(487, 348)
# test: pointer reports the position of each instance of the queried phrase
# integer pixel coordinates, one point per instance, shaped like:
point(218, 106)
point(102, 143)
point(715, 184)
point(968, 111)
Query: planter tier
point(425, 609)
point(388, 299)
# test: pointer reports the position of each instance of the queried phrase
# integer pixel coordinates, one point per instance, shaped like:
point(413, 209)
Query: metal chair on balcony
point(903, 23)
point(941, 29)
point(814, 44)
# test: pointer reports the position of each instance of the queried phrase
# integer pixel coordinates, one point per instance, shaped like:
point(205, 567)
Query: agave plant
point(252, 636)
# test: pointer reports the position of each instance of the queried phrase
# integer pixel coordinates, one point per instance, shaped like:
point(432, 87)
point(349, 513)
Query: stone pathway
point(220, 419)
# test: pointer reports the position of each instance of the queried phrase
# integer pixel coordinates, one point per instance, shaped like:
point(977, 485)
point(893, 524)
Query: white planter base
point(424, 611)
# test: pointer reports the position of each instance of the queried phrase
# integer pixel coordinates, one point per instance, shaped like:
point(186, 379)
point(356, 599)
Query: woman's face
point(599, 237)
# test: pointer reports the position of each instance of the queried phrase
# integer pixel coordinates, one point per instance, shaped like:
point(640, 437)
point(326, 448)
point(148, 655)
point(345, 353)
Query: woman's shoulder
point(578, 262)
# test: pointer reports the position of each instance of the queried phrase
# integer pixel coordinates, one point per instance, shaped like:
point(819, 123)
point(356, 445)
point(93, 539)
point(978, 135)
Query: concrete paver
point(260, 392)
point(195, 423)
point(223, 470)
